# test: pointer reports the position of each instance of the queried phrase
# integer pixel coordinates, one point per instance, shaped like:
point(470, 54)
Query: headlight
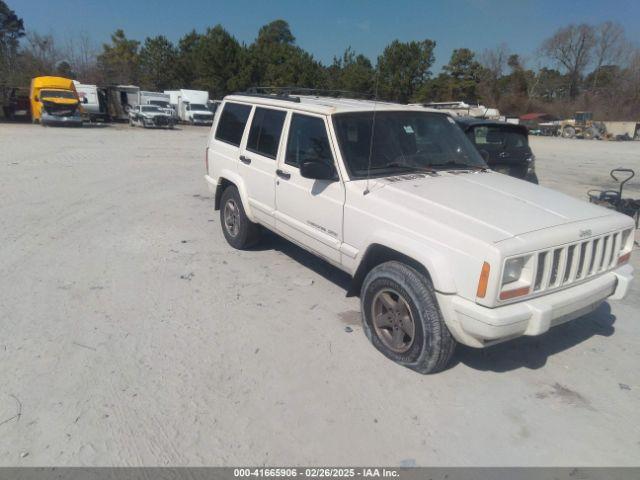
point(513, 270)
point(531, 167)
point(516, 277)
point(626, 246)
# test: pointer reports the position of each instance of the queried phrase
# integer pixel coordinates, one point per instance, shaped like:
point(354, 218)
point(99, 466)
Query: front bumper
point(202, 121)
point(479, 326)
point(47, 119)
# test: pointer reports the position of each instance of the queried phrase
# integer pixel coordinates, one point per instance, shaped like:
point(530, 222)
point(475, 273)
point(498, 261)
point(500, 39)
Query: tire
point(590, 133)
point(568, 132)
point(238, 230)
point(431, 346)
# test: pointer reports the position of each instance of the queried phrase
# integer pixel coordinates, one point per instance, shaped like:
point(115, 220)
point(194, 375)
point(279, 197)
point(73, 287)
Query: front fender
point(427, 254)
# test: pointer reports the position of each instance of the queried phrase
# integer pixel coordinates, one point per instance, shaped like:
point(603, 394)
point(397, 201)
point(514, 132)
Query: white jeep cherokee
point(441, 249)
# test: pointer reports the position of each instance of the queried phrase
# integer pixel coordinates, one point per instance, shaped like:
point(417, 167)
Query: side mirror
point(85, 100)
point(36, 98)
point(317, 171)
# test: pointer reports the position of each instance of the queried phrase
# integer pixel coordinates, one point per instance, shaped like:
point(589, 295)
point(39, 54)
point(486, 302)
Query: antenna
point(373, 129)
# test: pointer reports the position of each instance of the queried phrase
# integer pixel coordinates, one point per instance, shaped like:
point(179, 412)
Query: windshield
point(498, 137)
point(159, 103)
point(150, 108)
point(197, 106)
point(403, 141)
point(58, 94)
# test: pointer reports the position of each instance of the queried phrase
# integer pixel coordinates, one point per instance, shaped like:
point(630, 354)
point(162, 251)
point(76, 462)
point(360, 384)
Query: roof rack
point(288, 93)
point(261, 92)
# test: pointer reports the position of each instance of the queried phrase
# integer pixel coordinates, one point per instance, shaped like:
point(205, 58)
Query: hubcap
point(393, 321)
point(231, 217)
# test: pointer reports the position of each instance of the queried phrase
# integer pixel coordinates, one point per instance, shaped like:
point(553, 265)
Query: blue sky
point(326, 28)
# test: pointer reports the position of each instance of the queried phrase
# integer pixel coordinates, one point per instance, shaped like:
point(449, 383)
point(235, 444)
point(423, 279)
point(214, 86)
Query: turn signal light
point(483, 281)
point(624, 258)
point(518, 292)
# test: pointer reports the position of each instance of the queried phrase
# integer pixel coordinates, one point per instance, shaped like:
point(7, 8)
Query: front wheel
point(238, 230)
point(401, 317)
point(568, 132)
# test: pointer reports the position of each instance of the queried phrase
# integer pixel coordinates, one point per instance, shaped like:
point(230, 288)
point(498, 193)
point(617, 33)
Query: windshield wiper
point(453, 164)
point(416, 168)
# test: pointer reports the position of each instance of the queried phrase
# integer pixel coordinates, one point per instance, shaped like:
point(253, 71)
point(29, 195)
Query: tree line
point(580, 67)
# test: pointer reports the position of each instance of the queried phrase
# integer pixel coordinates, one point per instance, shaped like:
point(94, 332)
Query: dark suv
point(504, 146)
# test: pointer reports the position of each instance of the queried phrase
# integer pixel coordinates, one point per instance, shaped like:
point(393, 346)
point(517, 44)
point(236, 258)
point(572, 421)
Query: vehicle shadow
point(96, 125)
point(271, 241)
point(523, 352)
point(533, 352)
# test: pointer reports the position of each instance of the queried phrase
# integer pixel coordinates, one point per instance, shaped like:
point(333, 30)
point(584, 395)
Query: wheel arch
point(378, 253)
point(227, 179)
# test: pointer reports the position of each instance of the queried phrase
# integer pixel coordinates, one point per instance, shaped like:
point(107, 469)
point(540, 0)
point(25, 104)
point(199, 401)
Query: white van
point(92, 101)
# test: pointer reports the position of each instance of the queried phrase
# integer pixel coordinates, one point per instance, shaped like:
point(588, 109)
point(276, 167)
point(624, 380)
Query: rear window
point(232, 122)
point(498, 136)
point(266, 128)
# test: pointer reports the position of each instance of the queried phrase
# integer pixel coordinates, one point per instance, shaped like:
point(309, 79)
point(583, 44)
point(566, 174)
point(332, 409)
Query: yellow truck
point(54, 101)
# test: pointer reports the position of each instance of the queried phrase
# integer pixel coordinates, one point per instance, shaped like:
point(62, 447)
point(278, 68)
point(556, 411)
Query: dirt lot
point(133, 335)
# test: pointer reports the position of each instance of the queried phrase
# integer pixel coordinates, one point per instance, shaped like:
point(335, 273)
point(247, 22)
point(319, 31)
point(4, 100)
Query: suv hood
point(487, 205)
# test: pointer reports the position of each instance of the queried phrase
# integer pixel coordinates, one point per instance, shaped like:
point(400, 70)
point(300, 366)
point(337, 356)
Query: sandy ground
point(133, 335)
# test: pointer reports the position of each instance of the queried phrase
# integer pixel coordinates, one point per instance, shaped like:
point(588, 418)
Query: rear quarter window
point(232, 123)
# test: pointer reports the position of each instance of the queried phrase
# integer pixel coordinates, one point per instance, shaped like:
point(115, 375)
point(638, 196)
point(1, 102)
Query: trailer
point(120, 100)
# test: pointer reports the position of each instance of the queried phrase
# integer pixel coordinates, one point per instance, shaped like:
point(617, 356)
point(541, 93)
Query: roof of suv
point(321, 105)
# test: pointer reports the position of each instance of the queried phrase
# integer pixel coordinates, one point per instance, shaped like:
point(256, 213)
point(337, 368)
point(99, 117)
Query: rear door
point(309, 211)
point(258, 161)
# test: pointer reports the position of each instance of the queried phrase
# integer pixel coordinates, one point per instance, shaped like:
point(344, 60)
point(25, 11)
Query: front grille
point(203, 118)
point(562, 266)
point(161, 120)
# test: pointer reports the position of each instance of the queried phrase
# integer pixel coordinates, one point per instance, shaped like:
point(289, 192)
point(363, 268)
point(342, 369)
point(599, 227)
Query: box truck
point(192, 107)
point(54, 101)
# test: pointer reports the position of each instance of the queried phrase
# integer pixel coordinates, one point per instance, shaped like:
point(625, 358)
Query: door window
point(307, 141)
point(232, 122)
point(266, 128)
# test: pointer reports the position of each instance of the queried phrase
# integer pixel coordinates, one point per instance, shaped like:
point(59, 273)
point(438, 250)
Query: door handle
point(283, 174)
point(245, 160)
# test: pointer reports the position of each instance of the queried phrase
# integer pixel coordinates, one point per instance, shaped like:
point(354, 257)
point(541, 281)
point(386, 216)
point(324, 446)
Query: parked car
point(148, 116)
point(441, 249)
point(504, 146)
point(159, 99)
point(54, 101)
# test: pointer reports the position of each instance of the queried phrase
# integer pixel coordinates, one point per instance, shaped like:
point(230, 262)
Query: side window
point(307, 141)
point(266, 128)
point(481, 135)
point(232, 122)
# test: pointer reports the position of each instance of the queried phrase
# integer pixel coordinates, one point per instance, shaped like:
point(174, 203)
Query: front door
point(309, 211)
